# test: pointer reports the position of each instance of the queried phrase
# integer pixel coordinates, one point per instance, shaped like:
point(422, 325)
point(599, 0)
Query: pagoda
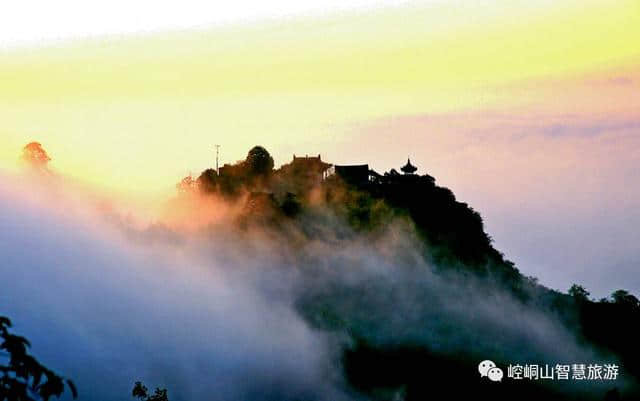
point(409, 168)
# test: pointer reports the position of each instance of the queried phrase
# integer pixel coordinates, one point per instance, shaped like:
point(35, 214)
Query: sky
point(528, 111)
point(34, 21)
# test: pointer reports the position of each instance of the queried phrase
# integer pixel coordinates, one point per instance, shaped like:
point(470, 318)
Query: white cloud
point(36, 21)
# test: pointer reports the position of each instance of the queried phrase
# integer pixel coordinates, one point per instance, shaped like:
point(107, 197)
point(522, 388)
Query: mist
point(106, 311)
point(212, 311)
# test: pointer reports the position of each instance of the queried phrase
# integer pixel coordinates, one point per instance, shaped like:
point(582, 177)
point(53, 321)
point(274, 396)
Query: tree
point(22, 377)
point(140, 391)
point(207, 181)
point(579, 292)
point(34, 154)
point(623, 297)
point(259, 161)
point(291, 206)
point(186, 185)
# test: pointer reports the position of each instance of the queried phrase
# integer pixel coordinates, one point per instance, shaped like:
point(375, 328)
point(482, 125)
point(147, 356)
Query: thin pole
point(217, 151)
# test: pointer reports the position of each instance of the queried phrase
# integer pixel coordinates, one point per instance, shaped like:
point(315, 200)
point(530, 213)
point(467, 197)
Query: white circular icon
point(495, 374)
point(484, 367)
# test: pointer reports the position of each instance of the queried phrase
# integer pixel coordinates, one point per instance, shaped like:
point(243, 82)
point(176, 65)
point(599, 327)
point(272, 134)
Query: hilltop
point(396, 277)
point(405, 347)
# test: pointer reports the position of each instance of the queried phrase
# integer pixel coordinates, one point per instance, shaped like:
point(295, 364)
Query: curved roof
point(409, 168)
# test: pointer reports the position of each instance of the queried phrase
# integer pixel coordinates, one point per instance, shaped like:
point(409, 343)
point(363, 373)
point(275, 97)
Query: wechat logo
point(488, 369)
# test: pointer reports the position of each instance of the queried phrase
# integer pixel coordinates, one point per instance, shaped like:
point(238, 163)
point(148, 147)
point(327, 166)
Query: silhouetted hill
point(453, 300)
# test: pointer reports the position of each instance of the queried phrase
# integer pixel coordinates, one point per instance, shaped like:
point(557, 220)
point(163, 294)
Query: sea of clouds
point(212, 312)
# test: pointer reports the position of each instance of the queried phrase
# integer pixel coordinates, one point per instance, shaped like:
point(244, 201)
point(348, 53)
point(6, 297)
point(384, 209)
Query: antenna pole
point(217, 152)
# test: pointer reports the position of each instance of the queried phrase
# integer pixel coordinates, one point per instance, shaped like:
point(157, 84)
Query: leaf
point(37, 376)
point(15, 344)
point(139, 390)
point(5, 321)
point(72, 387)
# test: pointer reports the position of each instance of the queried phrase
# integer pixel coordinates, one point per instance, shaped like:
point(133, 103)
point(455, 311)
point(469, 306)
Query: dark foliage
point(454, 231)
point(140, 391)
point(623, 298)
point(206, 182)
point(259, 161)
point(454, 241)
point(615, 326)
point(579, 293)
point(290, 205)
point(233, 180)
point(22, 377)
point(418, 374)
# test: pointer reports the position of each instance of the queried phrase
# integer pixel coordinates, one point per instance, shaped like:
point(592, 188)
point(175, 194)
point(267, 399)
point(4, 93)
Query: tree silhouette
point(22, 377)
point(34, 154)
point(623, 297)
point(259, 161)
point(579, 292)
point(186, 185)
point(140, 391)
point(207, 181)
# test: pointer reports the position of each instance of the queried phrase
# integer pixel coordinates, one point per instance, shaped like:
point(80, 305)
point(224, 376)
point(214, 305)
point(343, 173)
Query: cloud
point(220, 313)
point(106, 312)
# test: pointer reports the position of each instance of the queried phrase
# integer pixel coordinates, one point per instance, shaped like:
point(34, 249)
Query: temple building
point(409, 168)
point(311, 167)
point(304, 172)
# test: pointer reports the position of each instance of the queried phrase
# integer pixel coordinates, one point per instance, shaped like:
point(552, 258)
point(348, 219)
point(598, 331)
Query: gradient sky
point(528, 111)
